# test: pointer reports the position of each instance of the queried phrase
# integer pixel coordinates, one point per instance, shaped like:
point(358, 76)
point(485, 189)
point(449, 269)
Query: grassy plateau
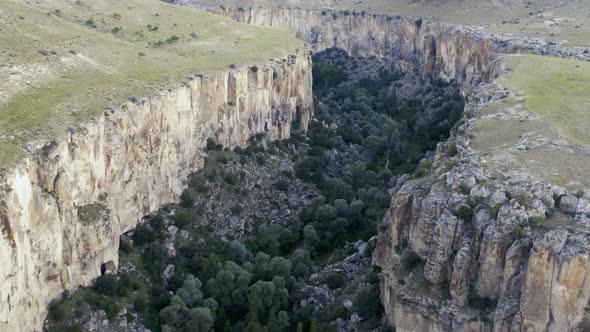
point(64, 61)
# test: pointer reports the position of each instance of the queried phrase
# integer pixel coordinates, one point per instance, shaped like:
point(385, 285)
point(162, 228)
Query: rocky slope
point(64, 210)
point(464, 249)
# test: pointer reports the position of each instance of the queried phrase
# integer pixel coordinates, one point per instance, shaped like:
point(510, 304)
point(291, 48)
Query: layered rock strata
point(64, 208)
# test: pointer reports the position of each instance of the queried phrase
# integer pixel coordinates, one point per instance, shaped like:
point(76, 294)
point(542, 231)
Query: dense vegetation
point(372, 124)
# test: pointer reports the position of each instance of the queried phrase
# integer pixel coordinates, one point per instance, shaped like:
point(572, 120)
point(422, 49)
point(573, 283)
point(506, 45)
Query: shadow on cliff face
point(279, 235)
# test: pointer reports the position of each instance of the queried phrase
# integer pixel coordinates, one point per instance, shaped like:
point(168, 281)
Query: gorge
point(467, 246)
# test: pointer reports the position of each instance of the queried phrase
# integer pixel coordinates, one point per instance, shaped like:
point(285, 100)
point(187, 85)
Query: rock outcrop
point(63, 210)
point(443, 51)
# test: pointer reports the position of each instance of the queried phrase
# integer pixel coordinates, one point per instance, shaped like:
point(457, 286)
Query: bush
point(231, 179)
point(187, 199)
point(524, 199)
point(56, 311)
point(452, 150)
point(144, 234)
point(335, 280)
point(211, 144)
point(494, 209)
point(107, 284)
point(411, 262)
point(281, 185)
point(536, 220)
point(518, 232)
point(463, 188)
point(260, 159)
point(369, 304)
point(482, 303)
point(465, 213)
point(183, 218)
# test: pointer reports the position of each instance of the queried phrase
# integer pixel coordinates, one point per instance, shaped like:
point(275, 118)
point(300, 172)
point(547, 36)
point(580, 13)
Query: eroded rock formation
point(63, 210)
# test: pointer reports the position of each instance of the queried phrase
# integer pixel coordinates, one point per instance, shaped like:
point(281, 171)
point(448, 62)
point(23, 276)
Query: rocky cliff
point(63, 210)
point(443, 51)
point(464, 249)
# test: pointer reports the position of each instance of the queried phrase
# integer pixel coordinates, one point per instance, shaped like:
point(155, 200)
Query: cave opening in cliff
point(280, 234)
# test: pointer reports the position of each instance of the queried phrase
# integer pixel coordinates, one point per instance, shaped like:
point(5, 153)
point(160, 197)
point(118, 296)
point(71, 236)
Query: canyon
point(474, 233)
point(492, 268)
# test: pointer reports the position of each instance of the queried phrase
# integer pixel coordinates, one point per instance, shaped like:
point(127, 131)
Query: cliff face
point(63, 210)
point(442, 51)
point(463, 249)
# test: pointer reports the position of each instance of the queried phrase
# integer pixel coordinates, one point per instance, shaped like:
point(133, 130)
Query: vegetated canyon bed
point(544, 126)
point(66, 61)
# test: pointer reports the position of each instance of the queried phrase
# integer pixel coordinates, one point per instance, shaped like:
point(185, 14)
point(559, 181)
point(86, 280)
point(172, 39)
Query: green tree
point(190, 292)
point(310, 238)
point(200, 320)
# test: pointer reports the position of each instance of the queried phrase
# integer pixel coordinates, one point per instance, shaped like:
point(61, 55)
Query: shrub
point(281, 185)
point(452, 150)
point(420, 172)
point(524, 199)
point(222, 158)
point(474, 201)
point(481, 303)
point(116, 30)
point(231, 179)
point(494, 209)
point(236, 210)
point(411, 261)
point(335, 280)
point(465, 213)
point(143, 234)
point(368, 303)
point(518, 232)
point(56, 311)
point(254, 69)
point(187, 198)
point(107, 284)
point(90, 22)
point(536, 220)
point(183, 218)
point(211, 144)
point(463, 188)
point(260, 160)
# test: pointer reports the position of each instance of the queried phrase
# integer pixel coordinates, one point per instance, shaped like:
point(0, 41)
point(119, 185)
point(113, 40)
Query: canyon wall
point(63, 209)
point(463, 249)
point(443, 51)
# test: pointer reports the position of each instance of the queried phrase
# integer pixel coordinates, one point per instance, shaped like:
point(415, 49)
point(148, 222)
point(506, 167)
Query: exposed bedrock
point(442, 51)
point(63, 209)
point(490, 273)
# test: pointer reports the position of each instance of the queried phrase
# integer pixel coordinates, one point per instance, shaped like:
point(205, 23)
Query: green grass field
point(99, 53)
point(556, 90)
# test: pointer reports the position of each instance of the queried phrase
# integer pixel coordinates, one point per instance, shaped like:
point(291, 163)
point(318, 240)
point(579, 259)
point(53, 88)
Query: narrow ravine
point(278, 236)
